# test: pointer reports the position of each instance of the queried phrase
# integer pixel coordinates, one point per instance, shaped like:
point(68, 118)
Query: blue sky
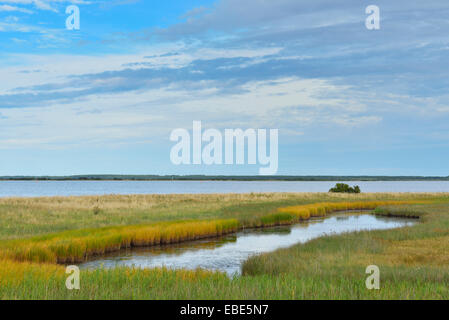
point(104, 99)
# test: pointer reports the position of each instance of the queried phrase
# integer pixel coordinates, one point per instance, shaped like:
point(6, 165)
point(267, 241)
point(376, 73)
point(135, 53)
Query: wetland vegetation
point(38, 234)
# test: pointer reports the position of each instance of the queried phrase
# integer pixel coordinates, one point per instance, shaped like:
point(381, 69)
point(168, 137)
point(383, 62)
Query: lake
point(227, 253)
point(78, 188)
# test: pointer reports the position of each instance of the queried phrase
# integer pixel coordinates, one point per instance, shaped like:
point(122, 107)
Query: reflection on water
point(229, 252)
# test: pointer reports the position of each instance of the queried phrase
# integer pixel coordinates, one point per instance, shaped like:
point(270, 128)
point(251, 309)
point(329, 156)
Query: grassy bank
point(26, 217)
point(414, 261)
point(76, 246)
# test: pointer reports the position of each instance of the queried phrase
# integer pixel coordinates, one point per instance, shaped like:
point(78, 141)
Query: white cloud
point(151, 114)
point(43, 4)
point(8, 8)
point(294, 104)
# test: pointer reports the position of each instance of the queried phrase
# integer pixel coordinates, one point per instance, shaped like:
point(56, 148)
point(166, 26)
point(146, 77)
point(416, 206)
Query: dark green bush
point(344, 188)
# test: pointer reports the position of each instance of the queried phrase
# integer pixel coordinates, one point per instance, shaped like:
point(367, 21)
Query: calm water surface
point(76, 188)
point(228, 253)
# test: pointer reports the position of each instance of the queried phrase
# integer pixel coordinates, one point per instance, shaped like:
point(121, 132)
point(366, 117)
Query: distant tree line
point(221, 178)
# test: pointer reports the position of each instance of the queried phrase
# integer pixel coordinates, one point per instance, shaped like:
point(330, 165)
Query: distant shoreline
point(219, 178)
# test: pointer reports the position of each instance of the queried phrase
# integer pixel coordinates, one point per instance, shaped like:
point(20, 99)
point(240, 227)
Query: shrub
point(344, 188)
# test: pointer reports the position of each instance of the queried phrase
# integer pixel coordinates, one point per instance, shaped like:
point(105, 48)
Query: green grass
point(26, 217)
point(414, 261)
point(76, 246)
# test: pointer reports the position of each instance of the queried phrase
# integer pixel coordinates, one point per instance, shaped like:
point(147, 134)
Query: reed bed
point(78, 246)
point(27, 217)
point(414, 264)
point(329, 267)
point(424, 245)
point(305, 212)
point(14, 272)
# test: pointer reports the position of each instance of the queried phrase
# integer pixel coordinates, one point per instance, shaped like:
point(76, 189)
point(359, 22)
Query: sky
point(104, 99)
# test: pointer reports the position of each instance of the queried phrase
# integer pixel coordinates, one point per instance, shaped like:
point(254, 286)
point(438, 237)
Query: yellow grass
point(27, 217)
point(77, 246)
point(14, 272)
point(170, 219)
point(304, 212)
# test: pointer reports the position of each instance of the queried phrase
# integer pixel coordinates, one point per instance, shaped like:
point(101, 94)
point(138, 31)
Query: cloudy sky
point(104, 99)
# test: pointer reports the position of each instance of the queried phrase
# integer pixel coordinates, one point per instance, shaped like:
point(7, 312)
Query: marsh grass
point(339, 282)
point(414, 261)
point(79, 245)
point(27, 217)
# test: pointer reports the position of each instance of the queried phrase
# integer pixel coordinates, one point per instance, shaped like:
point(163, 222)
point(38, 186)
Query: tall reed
point(304, 212)
point(79, 245)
